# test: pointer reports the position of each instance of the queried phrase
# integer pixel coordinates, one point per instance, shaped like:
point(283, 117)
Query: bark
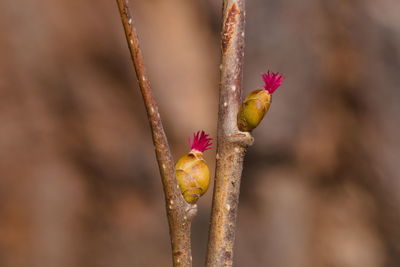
point(179, 212)
point(232, 143)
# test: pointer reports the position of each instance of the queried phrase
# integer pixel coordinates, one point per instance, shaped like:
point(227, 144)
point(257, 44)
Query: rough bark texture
point(232, 143)
point(179, 212)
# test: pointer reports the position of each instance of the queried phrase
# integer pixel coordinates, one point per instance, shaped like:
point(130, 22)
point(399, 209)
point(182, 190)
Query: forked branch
point(179, 212)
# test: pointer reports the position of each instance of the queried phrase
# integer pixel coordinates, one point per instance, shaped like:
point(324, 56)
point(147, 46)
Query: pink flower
point(272, 81)
point(201, 142)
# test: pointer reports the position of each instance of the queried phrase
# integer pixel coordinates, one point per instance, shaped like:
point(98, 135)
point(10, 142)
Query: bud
point(192, 171)
point(257, 103)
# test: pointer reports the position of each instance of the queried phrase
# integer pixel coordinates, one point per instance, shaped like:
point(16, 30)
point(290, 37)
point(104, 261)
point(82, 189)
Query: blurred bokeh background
point(79, 184)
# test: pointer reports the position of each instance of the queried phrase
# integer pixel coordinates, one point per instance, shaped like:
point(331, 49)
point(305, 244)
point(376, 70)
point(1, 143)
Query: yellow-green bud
point(257, 103)
point(192, 171)
point(193, 176)
point(253, 109)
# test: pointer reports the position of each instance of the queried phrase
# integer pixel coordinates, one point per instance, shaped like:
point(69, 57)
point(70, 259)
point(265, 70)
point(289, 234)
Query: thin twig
point(179, 212)
point(232, 143)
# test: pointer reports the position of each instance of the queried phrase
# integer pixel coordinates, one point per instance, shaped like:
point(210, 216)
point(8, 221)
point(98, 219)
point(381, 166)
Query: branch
point(232, 143)
point(179, 212)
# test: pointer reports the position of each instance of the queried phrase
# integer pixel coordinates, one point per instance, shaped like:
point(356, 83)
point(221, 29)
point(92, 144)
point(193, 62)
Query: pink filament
point(272, 81)
point(201, 142)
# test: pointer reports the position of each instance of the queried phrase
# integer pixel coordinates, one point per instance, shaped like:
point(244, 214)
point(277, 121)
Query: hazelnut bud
point(192, 171)
point(257, 103)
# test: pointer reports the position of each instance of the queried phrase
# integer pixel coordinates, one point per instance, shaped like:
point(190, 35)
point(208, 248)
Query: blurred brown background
point(79, 183)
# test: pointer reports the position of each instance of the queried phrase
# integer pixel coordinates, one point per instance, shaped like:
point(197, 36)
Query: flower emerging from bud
point(192, 171)
point(257, 103)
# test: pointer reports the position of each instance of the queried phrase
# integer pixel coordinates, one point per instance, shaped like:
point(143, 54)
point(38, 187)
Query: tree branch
point(232, 143)
point(179, 212)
